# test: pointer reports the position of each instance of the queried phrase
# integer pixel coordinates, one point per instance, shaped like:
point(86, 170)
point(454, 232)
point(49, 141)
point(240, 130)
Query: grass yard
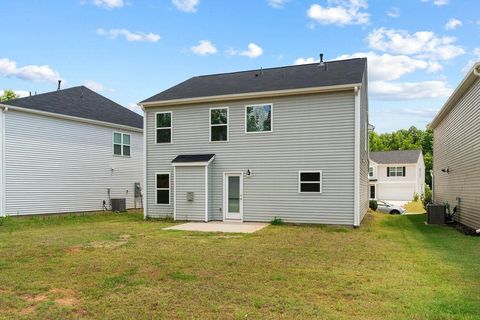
point(112, 266)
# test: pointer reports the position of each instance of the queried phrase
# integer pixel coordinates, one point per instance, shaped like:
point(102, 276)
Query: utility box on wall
point(190, 196)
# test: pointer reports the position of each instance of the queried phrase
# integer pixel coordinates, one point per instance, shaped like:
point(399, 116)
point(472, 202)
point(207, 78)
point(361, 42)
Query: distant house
point(68, 151)
point(456, 151)
point(288, 142)
point(396, 175)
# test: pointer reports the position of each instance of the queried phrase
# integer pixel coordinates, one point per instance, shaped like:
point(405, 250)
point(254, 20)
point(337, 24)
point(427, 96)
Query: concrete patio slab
point(220, 226)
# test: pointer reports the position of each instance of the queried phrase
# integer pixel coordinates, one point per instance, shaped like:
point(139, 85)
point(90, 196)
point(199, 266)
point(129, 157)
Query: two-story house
point(69, 150)
point(288, 142)
point(396, 175)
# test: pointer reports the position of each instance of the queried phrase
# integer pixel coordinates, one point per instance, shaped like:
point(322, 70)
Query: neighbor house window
point(396, 171)
point(163, 188)
point(370, 172)
point(219, 124)
point(164, 127)
point(121, 144)
point(258, 118)
point(310, 181)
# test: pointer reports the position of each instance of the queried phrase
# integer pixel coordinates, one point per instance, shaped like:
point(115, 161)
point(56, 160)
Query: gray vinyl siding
point(190, 179)
point(364, 119)
point(54, 165)
point(2, 209)
point(457, 147)
point(310, 132)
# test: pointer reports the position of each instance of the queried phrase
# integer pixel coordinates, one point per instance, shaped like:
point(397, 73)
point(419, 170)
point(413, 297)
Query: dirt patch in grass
point(62, 297)
point(106, 244)
point(37, 298)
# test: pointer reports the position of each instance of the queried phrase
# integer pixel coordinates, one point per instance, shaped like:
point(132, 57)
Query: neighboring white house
point(288, 142)
point(396, 175)
point(68, 151)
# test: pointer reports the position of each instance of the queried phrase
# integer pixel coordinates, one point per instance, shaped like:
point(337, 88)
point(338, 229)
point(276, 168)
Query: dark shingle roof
point(395, 157)
point(341, 72)
point(80, 102)
point(193, 158)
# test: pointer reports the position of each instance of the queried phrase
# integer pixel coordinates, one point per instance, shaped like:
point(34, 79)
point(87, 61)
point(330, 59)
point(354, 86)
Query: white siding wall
point(2, 163)
point(309, 132)
point(457, 147)
point(191, 179)
point(55, 165)
point(397, 188)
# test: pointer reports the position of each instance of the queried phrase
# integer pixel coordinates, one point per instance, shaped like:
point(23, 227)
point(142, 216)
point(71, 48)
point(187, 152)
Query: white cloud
point(423, 44)
point(204, 47)
point(305, 60)
point(129, 36)
point(437, 2)
point(8, 68)
point(386, 67)
point(20, 93)
point(382, 90)
point(340, 12)
point(421, 112)
point(277, 4)
point(253, 51)
point(135, 108)
point(110, 4)
point(188, 6)
point(94, 85)
point(471, 62)
point(394, 12)
point(453, 24)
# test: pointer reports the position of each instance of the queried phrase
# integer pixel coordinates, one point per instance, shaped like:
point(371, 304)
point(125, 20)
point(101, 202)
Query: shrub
point(373, 205)
point(427, 196)
point(3, 220)
point(416, 197)
point(277, 221)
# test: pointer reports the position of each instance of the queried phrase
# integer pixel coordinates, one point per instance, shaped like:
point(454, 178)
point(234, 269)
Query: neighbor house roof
point(337, 73)
point(80, 102)
point(469, 79)
point(395, 157)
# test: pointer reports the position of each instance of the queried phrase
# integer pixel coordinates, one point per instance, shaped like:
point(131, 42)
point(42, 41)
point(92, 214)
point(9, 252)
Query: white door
point(233, 196)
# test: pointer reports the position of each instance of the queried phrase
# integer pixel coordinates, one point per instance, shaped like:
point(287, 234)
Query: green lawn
point(121, 267)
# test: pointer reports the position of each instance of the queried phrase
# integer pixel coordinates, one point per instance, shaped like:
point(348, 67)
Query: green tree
point(8, 95)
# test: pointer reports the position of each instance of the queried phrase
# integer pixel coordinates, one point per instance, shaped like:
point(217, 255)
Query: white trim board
point(356, 203)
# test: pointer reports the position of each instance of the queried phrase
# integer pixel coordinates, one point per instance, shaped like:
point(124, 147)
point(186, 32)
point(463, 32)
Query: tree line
point(404, 139)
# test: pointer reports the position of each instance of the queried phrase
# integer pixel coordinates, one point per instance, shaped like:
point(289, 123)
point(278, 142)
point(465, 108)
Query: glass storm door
point(233, 196)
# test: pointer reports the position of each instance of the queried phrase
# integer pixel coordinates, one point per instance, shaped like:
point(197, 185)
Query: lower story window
point(310, 181)
point(162, 184)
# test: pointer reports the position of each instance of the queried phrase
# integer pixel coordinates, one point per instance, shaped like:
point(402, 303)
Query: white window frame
point(300, 181)
point(373, 172)
point(169, 189)
point(157, 128)
point(210, 125)
point(121, 144)
point(395, 169)
point(271, 117)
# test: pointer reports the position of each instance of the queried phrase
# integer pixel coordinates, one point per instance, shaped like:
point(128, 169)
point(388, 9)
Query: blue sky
point(128, 50)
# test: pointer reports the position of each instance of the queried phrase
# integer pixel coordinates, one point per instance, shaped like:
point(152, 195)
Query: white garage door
point(396, 192)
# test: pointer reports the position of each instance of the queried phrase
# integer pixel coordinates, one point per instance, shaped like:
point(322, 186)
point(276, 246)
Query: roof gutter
point(456, 95)
point(72, 118)
point(250, 95)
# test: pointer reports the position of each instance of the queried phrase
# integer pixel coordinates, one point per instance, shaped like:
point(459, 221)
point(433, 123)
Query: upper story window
point(395, 171)
point(121, 144)
point(370, 172)
point(258, 118)
point(310, 181)
point(163, 125)
point(219, 124)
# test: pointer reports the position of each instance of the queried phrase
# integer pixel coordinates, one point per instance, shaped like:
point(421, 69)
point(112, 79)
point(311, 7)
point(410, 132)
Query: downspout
point(357, 134)
point(3, 180)
point(145, 203)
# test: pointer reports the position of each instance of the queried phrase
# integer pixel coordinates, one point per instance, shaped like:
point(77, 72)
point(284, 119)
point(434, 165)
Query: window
point(258, 118)
point(164, 127)
point(395, 171)
point(162, 184)
point(370, 172)
point(121, 144)
point(219, 124)
point(310, 181)
point(372, 192)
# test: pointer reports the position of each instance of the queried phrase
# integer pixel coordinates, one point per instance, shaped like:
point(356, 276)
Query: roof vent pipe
point(322, 63)
point(59, 83)
point(476, 70)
